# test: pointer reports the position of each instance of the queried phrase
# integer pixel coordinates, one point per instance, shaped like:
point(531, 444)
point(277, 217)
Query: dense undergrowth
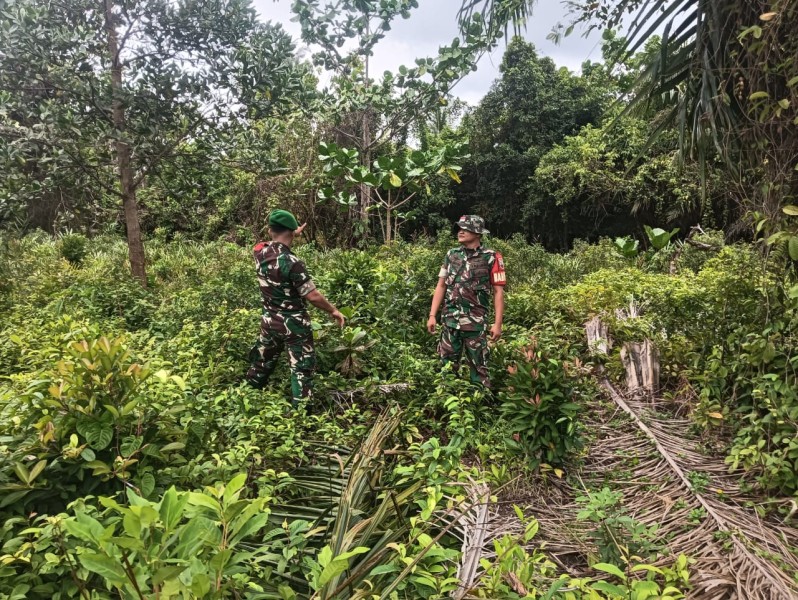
point(135, 463)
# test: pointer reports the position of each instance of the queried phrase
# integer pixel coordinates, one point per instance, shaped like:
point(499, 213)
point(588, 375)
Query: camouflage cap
point(473, 223)
point(283, 218)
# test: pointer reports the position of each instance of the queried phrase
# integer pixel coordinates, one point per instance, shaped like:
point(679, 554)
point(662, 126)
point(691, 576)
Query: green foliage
point(177, 352)
point(626, 246)
point(188, 543)
point(541, 404)
point(394, 180)
point(663, 583)
point(73, 247)
point(596, 183)
point(92, 424)
point(530, 109)
point(515, 571)
point(659, 238)
point(617, 536)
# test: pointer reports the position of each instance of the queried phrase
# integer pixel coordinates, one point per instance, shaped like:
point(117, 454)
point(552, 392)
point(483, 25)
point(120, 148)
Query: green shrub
point(96, 422)
point(541, 404)
point(73, 247)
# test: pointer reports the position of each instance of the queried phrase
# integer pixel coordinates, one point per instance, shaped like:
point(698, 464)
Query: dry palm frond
point(738, 556)
point(475, 528)
point(757, 547)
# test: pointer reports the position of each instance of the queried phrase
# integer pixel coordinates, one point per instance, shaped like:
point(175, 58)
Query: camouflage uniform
point(469, 277)
point(284, 282)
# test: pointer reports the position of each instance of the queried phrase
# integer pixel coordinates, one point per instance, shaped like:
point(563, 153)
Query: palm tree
point(729, 71)
point(499, 14)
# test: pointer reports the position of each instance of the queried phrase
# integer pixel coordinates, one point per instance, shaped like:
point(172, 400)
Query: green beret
point(283, 218)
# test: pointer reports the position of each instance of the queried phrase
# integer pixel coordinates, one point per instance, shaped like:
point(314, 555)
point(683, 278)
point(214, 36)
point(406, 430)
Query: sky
point(434, 23)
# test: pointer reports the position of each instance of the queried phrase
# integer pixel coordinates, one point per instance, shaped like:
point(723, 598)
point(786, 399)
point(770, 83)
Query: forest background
point(142, 146)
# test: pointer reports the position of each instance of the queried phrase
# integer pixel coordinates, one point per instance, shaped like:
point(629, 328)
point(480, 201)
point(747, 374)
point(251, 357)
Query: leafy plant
point(73, 247)
point(540, 405)
point(627, 246)
point(661, 583)
point(659, 238)
point(188, 543)
point(88, 425)
point(616, 535)
point(353, 345)
point(515, 571)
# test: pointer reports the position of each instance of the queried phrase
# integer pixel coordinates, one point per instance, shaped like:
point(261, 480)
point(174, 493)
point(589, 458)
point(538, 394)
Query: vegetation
point(143, 144)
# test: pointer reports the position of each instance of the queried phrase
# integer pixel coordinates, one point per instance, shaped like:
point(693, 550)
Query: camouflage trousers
point(474, 344)
point(301, 355)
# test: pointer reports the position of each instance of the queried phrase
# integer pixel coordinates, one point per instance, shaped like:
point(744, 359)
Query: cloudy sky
point(434, 24)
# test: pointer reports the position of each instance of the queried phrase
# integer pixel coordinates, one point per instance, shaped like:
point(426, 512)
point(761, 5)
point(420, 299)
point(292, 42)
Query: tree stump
point(598, 336)
point(641, 362)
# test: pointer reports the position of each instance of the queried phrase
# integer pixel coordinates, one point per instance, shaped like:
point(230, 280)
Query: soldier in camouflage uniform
point(285, 286)
point(466, 280)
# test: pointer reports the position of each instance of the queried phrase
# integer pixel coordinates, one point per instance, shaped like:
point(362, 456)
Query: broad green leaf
point(608, 588)
point(127, 542)
point(197, 499)
point(220, 560)
point(147, 484)
point(172, 446)
point(131, 524)
point(171, 508)
point(383, 569)
point(107, 568)
point(232, 489)
point(166, 573)
point(792, 247)
point(648, 568)
point(252, 525)
point(198, 532)
point(22, 472)
point(611, 569)
point(98, 435)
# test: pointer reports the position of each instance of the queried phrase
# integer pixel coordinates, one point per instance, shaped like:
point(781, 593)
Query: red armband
point(497, 275)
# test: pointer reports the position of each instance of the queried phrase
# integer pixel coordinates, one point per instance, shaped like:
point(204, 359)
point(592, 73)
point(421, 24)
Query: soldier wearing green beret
point(469, 276)
point(285, 287)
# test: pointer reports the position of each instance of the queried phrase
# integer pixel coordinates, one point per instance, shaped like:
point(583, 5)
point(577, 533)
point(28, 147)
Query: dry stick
point(722, 525)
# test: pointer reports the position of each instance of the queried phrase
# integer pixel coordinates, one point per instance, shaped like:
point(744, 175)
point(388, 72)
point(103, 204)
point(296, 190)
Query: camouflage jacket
point(470, 276)
point(284, 282)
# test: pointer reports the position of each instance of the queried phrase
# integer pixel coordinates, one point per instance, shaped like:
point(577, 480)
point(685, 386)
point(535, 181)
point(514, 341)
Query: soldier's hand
point(495, 332)
point(431, 324)
point(338, 317)
point(300, 229)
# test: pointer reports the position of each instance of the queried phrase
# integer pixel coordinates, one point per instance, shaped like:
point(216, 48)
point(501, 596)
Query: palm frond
point(498, 14)
point(650, 457)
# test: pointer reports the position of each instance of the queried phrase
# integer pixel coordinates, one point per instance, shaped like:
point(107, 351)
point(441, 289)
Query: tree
point(395, 180)
point(91, 88)
point(729, 71)
point(607, 181)
point(530, 108)
point(369, 113)
point(499, 13)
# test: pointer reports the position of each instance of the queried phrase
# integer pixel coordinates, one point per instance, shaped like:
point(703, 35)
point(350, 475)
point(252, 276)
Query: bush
point(73, 247)
point(541, 404)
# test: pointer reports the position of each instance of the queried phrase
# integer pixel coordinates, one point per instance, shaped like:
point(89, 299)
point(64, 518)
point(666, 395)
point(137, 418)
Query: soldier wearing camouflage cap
point(285, 286)
point(469, 276)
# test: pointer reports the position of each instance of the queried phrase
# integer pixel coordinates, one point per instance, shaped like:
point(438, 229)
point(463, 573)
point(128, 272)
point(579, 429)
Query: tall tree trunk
point(128, 189)
point(388, 227)
point(365, 191)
